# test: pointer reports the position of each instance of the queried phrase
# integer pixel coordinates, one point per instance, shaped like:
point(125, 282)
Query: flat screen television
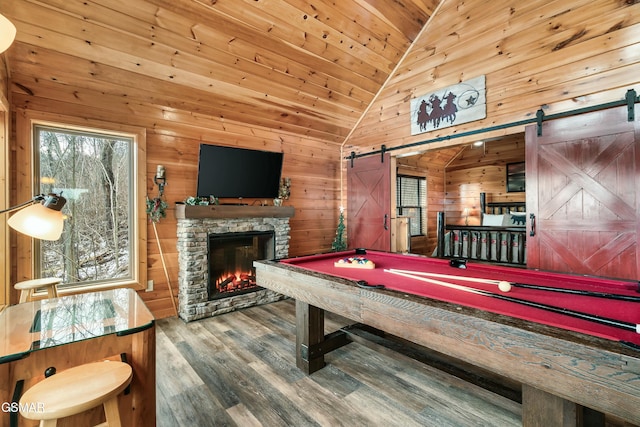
point(229, 172)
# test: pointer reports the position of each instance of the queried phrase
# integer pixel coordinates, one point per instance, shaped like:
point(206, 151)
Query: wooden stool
point(28, 287)
point(76, 390)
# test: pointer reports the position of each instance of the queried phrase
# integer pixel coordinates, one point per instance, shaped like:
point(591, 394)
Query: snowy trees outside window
point(94, 172)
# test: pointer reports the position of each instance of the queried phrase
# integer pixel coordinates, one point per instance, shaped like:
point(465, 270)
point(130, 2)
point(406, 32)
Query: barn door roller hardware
point(539, 120)
point(629, 100)
point(383, 149)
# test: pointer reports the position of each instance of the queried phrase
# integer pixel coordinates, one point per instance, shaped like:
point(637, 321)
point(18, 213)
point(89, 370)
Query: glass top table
point(46, 323)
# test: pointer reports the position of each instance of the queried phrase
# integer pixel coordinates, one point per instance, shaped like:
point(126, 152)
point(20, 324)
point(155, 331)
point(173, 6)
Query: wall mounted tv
point(229, 172)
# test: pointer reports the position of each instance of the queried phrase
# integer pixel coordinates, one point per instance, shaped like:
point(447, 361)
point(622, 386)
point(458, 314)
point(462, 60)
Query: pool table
point(568, 350)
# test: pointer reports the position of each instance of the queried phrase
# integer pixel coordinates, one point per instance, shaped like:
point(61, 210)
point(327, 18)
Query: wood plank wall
point(557, 55)
point(173, 140)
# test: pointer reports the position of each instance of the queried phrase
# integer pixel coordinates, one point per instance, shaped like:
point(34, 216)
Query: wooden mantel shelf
point(233, 211)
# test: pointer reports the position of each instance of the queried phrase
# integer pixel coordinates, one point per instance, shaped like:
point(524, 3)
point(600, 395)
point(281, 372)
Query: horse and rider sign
point(453, 105)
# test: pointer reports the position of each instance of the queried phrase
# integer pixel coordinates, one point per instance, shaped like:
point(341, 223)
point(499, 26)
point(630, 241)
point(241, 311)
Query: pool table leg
point(309, 335)
point(311, 342)
point(541, 409)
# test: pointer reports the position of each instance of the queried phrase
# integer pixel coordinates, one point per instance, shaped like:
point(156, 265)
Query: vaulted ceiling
point(305, 67)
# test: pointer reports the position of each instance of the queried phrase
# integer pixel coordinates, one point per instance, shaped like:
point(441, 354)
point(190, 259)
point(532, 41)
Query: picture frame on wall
point(516, 177)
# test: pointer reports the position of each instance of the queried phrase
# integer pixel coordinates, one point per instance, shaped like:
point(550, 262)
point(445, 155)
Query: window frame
point(5, 292)
point(25, 190)
point(422, 209)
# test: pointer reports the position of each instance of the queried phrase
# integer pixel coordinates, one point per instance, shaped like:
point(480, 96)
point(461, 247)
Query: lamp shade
point(42, 220)
point(7, 33)
point(39, 222)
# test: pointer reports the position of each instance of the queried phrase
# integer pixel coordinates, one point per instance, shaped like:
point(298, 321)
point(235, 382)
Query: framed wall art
point(453, 105)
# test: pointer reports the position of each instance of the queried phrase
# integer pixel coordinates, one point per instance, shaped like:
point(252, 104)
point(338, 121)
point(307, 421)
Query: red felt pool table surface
point(624, 311)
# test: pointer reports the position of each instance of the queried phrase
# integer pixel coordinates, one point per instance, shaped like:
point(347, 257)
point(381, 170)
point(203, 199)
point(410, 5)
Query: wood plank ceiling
point(306, 67)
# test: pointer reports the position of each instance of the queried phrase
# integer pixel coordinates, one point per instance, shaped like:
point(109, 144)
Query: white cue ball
point(504, 286)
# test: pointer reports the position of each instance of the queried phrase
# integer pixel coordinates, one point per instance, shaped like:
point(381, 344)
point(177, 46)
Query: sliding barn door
point(583, 178)
point(369, 203)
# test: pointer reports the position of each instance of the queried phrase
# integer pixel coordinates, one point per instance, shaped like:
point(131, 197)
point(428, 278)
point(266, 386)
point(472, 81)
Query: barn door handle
point(533, 225)
point(384, 223)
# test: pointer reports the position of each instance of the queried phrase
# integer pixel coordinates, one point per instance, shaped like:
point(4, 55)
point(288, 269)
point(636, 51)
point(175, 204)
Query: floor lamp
point(40, 217)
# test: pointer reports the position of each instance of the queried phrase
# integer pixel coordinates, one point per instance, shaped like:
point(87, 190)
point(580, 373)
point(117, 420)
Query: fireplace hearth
point(256, 232)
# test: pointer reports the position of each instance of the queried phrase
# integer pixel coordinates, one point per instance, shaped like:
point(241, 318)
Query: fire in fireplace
point(231, 257)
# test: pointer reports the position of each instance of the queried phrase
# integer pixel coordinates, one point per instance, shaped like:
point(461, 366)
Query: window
point(94, 173)
point(100, 171)
point(412, 201)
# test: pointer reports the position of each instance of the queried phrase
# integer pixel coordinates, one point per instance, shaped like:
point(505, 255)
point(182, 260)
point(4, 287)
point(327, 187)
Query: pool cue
point(565, 311)
point(595, 294)
point(164, 267)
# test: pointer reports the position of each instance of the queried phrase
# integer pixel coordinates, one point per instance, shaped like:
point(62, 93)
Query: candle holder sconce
point(160, 179)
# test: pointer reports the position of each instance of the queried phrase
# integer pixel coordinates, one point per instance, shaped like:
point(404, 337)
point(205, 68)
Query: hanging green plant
point(156, 209)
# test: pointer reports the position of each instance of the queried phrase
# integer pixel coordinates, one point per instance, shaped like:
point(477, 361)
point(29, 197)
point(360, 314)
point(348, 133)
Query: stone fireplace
point(217, 282)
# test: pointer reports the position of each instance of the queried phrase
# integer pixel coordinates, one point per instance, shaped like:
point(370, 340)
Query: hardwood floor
point(239, 369)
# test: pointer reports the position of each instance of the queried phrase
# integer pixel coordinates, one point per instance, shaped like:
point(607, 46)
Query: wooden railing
point(498, 245)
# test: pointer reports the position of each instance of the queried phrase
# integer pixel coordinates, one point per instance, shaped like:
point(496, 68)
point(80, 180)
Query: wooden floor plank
point(371, 407)
point(388, 344)
point(377, 373)
point(460, 396)
point(238, 369)
point(215, 383)
point(177, 374)
point(307, 394)
point(242, 417)
point(194, 407)
point(337, 381)
point(424, 390)
point(257, 393)
point(164, 413)
point(276, 316)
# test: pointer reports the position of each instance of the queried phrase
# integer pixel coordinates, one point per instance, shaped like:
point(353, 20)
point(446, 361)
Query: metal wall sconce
point(160, 179)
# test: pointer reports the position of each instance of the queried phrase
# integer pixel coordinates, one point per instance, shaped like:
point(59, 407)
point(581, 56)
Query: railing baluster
point(461, 244)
